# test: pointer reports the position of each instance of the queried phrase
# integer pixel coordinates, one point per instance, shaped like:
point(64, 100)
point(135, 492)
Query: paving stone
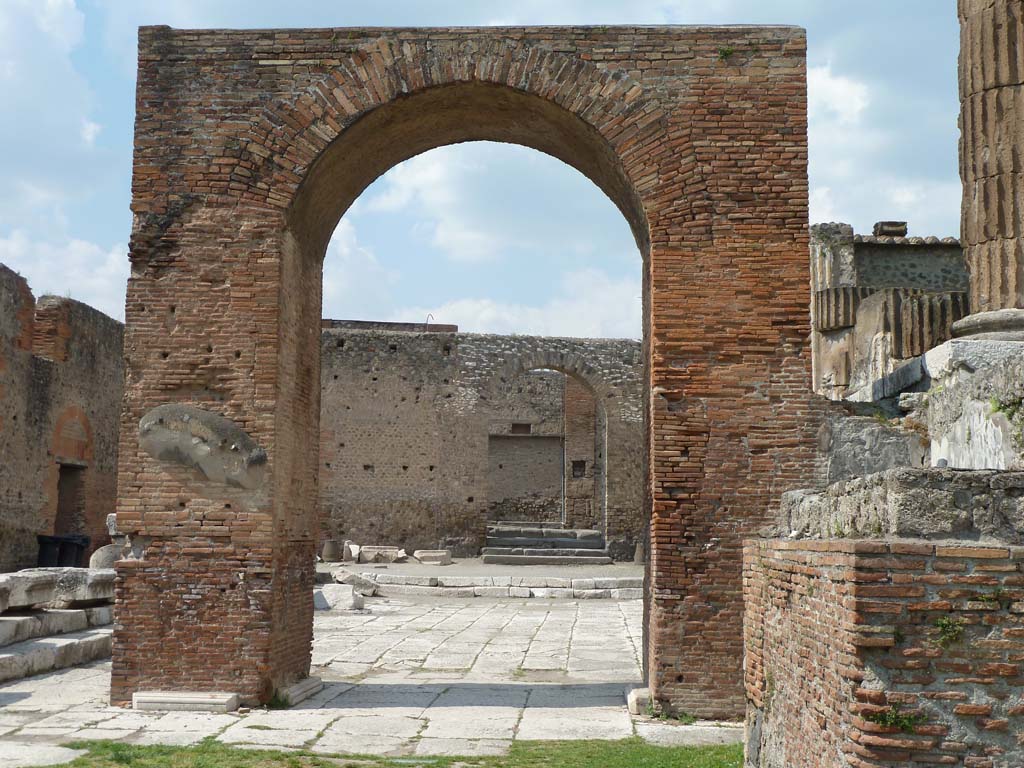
point(21, 755)
point(627, 594)
point(462, 747)
point(491, 591)
point(441, 674)
point(395, 578)
point(619, 583)
point(553, 593)
point(567, 723)
point(678, 735)
point(245, 733)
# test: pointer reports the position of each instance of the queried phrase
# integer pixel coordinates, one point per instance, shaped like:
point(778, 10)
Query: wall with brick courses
point(60, 399)
point(417, 444)
point(249, 147)
point(838, 632)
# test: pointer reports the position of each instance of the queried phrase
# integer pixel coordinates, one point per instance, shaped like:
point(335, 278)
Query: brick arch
point(249, 146)
point(72, 435)
point(564, 106)
point(580, 370)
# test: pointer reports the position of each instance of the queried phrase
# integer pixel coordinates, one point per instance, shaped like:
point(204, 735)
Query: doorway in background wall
point(70, 519)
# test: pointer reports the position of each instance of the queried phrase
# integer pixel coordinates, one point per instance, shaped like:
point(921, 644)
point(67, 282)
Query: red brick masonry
point(839, 633)
point(250, 145)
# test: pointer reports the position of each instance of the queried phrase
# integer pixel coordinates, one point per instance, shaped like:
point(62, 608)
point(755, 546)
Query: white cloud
point(434, 185)
point(81, 270)
point(823, 206)
point(90, 131)
point(356, 286)
point(49, 103)
point(589, 303)
point(835, 97)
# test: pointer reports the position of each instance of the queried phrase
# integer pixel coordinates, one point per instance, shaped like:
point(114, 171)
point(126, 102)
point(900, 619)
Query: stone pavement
point(404, 677)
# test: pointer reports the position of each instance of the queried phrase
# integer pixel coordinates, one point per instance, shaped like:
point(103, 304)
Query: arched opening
point(450, 114)
point(431, 438)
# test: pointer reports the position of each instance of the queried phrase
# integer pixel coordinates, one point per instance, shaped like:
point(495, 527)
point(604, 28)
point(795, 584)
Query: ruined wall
point(584, 459)
point(249, 147)
point(425, 436)
point(524, 478)
point(878, 300)
point(61, 379)
point(884, 654)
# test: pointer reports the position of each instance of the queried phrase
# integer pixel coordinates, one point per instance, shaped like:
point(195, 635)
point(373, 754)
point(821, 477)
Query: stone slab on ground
point(699, 734)
point(433, 556)
point(336, 597)
point(378, 554)
point(185, 701)
point(544, 560)
point(397, 584)
point(474, 566)
point(27, 755)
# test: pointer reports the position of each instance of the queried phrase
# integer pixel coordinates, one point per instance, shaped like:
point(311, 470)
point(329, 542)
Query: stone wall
point(878, 301)
point(583, 468)
point(883, 654)
point(427, 435)
point(61, 380)
point(916, 503)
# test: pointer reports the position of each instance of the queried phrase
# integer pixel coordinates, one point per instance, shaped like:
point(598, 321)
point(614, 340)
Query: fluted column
point(992, 163)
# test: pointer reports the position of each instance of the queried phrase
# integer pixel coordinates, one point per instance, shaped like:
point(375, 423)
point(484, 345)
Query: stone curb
point(398, 585)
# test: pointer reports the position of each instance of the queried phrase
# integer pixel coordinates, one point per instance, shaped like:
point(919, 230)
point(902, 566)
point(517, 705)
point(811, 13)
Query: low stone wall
point(872, 654)
point(915, 503)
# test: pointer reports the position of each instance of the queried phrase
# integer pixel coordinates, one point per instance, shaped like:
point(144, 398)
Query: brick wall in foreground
point(840, 633)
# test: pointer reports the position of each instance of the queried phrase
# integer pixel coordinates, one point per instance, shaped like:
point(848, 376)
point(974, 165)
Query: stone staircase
point(530, 543)
point(38, 641)
point(51, 618)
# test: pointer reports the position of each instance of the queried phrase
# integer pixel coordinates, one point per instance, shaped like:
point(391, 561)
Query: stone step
point(533, 532)
point(545, 551)
point(538, 543)
point(544, 560)
point(33, 657)
point(19, 627)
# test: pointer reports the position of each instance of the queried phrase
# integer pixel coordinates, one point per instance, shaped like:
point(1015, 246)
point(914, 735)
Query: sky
point(493, 237)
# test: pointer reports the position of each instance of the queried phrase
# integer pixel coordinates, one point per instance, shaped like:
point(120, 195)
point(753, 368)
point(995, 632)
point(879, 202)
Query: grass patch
point(628, 753)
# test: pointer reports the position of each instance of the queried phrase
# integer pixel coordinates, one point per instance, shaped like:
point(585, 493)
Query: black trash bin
point(49, 551)
point(72, 551)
